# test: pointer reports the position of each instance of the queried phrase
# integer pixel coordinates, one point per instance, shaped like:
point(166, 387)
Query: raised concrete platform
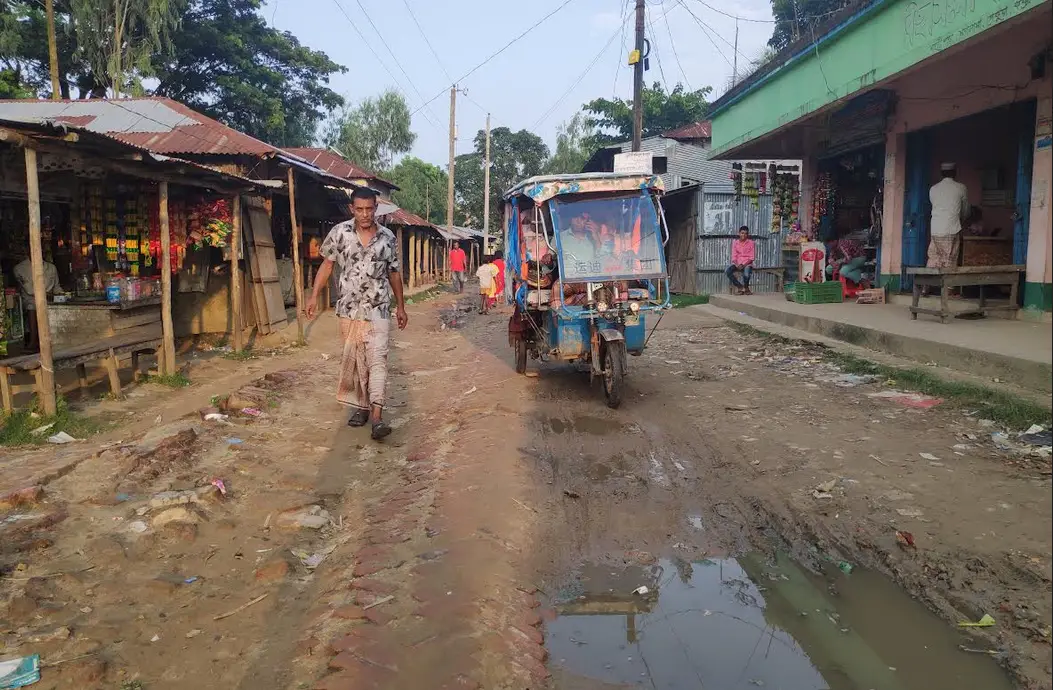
point(1019, 352)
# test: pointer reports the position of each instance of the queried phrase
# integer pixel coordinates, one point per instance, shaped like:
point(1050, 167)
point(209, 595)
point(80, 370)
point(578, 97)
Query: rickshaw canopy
point(544, 187)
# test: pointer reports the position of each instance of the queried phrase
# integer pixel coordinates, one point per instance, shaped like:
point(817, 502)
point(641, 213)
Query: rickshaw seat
point(536, 297)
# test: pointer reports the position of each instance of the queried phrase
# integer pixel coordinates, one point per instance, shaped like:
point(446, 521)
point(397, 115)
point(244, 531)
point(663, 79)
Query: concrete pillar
point(892, 210)
point(1038, 281)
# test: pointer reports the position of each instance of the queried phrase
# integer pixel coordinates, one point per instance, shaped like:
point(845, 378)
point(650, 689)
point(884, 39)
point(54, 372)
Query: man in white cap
point(950, 206)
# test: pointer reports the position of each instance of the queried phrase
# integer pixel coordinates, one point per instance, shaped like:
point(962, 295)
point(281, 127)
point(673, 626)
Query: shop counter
point(79, 321)
point(986, 251)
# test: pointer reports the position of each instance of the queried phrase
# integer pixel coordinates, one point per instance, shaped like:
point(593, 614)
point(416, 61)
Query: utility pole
point(56, 93)
point(486, 190)
point(638, 70)
point(453, 141)
point(735, 58)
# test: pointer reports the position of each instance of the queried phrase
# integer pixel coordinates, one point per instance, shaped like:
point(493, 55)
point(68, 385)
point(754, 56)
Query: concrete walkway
point(1019, 352)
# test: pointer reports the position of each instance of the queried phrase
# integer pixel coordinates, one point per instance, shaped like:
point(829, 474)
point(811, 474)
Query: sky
point(537, 83)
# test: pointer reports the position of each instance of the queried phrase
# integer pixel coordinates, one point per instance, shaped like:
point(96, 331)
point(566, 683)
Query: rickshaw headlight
point(634, 307)
point(601, 306)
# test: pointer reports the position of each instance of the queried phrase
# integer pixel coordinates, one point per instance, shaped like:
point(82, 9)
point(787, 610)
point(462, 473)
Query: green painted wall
point(895, 35)
point(1038, 296)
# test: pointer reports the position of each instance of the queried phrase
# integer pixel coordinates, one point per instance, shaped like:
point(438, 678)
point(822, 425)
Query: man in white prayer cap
point(950, 206)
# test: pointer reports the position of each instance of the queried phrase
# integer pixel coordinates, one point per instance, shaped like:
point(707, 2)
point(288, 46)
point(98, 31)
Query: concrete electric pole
point(638, 70)
point(453, 155)
point(56, 91)
point(486, 190)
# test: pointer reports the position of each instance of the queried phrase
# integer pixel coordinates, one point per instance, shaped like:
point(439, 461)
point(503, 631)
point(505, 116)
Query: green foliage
point(422, 188)
point(16, 429)
point(662, 111)
point(373, 132)
point(176, 380)
point(513, 157)
point(227, 63)
point(573, 146)
point(680, 301)
point(796, 18)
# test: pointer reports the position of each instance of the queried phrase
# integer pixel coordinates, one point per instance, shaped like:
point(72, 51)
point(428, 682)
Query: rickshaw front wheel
point(521, 356)
point(614, 372)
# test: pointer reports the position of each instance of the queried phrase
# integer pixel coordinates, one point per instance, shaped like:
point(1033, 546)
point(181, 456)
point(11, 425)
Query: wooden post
point(427, 259)
point(401, 252)
point(413, 259)
point(40, 296)
point(235, 274)
point(167, 334)
point(297, 268)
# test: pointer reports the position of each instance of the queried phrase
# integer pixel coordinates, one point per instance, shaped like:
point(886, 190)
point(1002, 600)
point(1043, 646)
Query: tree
point(116, 38)
point(613, 118)
point(229, 64)
point(422, 188)
point(513, 157)
point(573, 146)
point(794, 18)
point(24, 50)
point(373, 132)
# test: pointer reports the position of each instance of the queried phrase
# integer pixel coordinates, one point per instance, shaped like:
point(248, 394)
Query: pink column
point(892, 212)
point(808, 171)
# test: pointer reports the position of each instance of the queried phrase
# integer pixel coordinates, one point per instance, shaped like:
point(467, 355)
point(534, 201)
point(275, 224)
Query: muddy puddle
point(752, 623)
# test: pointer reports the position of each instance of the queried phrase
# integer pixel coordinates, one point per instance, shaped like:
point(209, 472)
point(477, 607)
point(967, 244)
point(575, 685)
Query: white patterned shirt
point(365, 280)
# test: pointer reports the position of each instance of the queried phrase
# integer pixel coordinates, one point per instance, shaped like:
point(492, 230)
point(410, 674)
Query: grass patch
point(17, 428)
point(176, 380)
point(680, 301)
point(423, 296)
point(1011, 410)
point(239, 355)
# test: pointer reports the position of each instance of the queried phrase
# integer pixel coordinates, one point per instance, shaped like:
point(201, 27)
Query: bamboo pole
point(401, 253)
point(413, 259)
point(235, 274)
point(46, 379)
point(167, 335)
point(297, 268)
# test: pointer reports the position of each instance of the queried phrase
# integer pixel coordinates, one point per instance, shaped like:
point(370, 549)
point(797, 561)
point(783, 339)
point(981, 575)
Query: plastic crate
point(789, 292)
point(818, 293)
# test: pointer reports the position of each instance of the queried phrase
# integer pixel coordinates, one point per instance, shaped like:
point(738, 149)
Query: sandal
point(380, 431)
point(358, 418)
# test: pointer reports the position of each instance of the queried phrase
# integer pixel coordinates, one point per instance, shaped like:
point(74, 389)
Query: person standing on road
point(950, 206)
point(370, 275)
point(499, 279)
point(743, 254)
point(487, 275)
point(457, 263)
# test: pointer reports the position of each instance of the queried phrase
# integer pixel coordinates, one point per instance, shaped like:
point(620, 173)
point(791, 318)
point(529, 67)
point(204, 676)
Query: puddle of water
point(583, 424)
point(709, 624)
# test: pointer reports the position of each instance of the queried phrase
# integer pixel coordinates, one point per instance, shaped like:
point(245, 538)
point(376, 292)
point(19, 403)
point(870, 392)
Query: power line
point(426, 40)
point(391, 53)
point(376, 56)
point(618, 71)
point(661, 70)
point(705, 31)
point(703, 24)
point(795, 20)
point(501, 50)
point(581, 76)
point(672, 45)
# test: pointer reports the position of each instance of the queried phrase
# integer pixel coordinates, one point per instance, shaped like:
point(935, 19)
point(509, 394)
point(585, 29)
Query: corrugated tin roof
point(695, 130)
point(403, 217)
point(158, 124)
point(336, 164)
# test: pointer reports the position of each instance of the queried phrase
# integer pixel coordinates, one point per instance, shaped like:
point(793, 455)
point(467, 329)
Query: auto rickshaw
point(587, 267)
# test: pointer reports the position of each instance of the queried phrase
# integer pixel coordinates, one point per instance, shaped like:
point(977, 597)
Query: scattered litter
point(471, 390)
point(326, 356)
point(234, 442)
point(194, 633)
point(60, 438)
point(19, 672)
point(845, 567)
point(672, 361)
point(928, 456)
point(531, 374)
point(378, 602)
point(1001, 441)
point(1037, 436)
point(905, 539)
point(310, 518)
point(823, 491)
point(219, 484)
point(309, 560)
point(914, 400)
point(737, 408)
point(191, 580)
point(986, 622)
point(251, 412)
point(218, 417)
point(39, 431)
point(571, 494)
point(433, 555)
point(123, 497)
point(910, 512)
point(642, 590)
point(962, 446)
point(138, 526)
point(241, 608)
point(849, 380)
point(155, 638)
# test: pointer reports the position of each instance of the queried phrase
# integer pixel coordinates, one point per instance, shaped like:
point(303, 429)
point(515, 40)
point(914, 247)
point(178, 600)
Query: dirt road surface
point(749, 517)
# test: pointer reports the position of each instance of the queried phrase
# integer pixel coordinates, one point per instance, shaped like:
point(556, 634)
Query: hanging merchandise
point(824, 200)
point(132, 233)
point(113, 238)
point(736, 178)
point(210, 223)
point(750, 189)
point(785, 193)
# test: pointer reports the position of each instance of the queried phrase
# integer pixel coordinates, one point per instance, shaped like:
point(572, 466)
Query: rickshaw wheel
point(614, 373)
point(521, 356)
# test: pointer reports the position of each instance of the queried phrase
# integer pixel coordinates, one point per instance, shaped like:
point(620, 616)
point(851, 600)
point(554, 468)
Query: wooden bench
point(964, 276)
point(109, 351)
point(778, 271)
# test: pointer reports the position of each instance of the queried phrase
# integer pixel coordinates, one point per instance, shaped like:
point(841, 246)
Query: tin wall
point(722, 215)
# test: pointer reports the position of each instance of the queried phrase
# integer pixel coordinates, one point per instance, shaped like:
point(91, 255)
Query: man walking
point(457, 264)
point(369, 276)
point(950, 206)
point(743, 253)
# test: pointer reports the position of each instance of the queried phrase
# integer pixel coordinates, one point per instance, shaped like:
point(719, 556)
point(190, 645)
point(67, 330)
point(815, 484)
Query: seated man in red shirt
point(743, 253)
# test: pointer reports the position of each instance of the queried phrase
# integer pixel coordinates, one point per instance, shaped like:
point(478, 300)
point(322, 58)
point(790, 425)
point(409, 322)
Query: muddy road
point(750, 517)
